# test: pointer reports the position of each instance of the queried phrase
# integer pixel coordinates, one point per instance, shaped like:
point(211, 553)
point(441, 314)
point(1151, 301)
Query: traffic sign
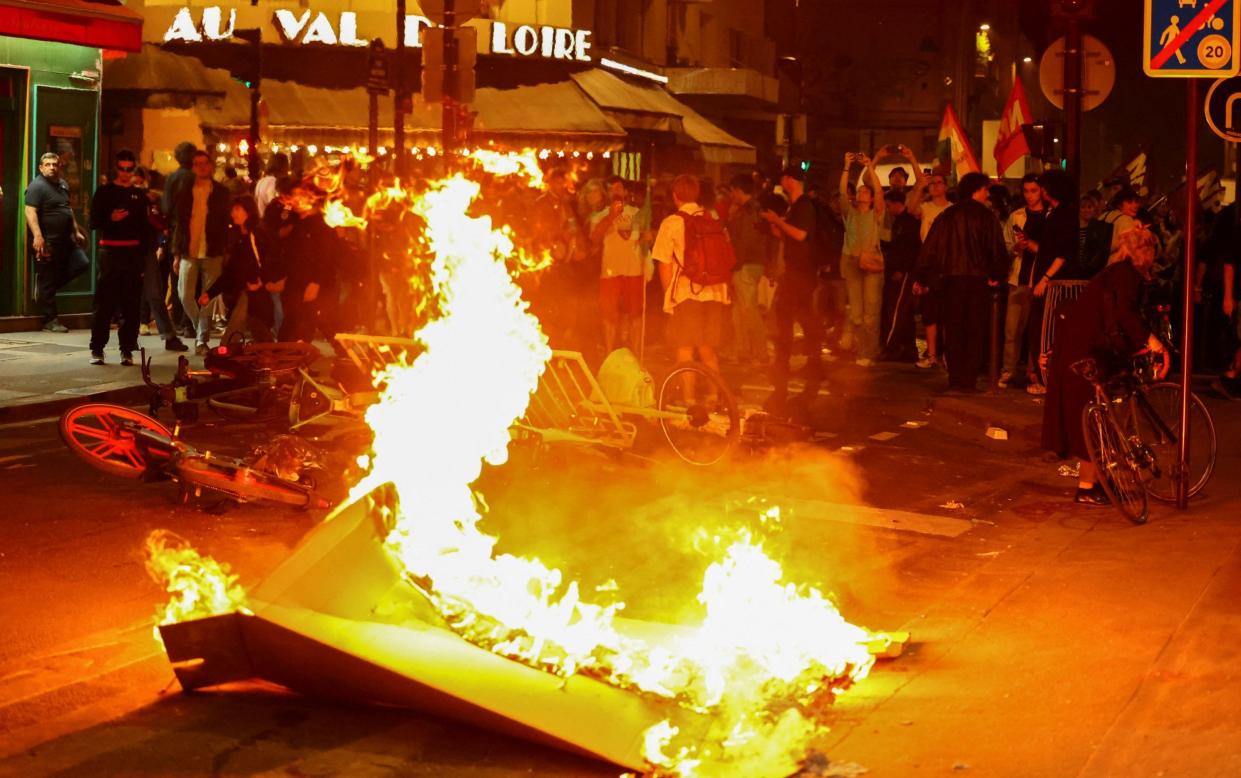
point(1098, 72)
point(1223, 108)
point(462, 11)
point(377, 79)
point(1191, 39)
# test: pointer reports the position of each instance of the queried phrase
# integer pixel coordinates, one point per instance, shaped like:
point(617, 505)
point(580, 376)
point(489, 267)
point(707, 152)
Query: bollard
point(995, 342)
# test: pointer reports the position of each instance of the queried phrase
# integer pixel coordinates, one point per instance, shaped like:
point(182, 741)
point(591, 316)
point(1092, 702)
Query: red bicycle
point(126, 443)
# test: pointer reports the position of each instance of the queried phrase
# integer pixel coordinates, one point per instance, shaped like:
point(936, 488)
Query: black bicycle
point(1133, 436)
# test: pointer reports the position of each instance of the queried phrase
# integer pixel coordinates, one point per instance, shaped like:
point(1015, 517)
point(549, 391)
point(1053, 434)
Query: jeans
point(68, 261)
point(118, 287)
point(749, 331)
point(208, 268)
point(155, 292)
point(865, 292)
point(1015, 324)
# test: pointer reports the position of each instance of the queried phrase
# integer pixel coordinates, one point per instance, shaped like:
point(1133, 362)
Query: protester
point(242, 281)
point(56, 238)
point(1122, 214)
point(157, 270)
point(265, 188)
point(1022, 232)
point(696, 311)
point(861, 262)
point(622, 268)
point(794, 301)
point(1094, 238)
point(962, 256)
point(119, 214)
point(1055, 252)
point(200, 235)
point(1105, 323)
point(900, 255)
point(752, 242)
point(311, 294)
point(927, 201)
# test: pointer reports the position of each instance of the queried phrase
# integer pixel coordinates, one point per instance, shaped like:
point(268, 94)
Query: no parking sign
point(1191, 39)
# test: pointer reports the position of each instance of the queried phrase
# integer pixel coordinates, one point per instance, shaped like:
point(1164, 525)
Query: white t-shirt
point(670, 248)
point(265, 192)
point(621, 256)
point(930, 212)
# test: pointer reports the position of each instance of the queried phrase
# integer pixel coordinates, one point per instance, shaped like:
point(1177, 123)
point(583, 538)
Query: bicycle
point(126, 443)
point(1132, 430)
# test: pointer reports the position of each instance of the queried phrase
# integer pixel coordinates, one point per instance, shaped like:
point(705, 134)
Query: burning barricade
point(401, 598)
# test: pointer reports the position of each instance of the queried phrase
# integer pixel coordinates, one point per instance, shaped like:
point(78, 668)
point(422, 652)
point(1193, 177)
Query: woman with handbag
point(861, 262)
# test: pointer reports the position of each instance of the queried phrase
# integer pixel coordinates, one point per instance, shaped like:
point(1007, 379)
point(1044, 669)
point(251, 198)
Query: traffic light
point(805, 166)
point(248, 70)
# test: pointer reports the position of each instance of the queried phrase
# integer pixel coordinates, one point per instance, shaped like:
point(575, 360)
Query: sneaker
point(864, 362)
point(96, 357)
point(1036, 388)
point(175, 344)
point(928, 362)
point(201, 349)
point(1094, 497)
point(55, 326)
point(1006, 378)
point(144, 329)
point(127, 358)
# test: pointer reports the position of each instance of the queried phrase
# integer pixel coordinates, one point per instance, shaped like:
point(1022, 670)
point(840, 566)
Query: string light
point(221, 146)
point(431, 152)
point(383, 151)
point(294, 148)
point(243, 147)
point(312, 149)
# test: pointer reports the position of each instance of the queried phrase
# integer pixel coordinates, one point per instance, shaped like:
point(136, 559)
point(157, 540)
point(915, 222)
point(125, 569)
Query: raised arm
point(872, 175)
point(913, 200)
point(850, 158)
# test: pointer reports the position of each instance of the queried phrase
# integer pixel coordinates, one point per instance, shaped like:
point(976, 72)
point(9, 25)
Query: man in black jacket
point(1057, 254)
point(963, 255)
point(900, 255)
point(199, 234)
point(119, 214)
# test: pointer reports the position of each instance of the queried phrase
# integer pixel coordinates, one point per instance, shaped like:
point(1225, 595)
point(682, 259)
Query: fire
point(767, 655)
point(200, 586)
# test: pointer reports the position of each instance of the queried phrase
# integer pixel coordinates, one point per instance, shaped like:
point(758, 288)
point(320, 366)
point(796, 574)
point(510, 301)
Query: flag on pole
point(955, 154)
point(1010, 144)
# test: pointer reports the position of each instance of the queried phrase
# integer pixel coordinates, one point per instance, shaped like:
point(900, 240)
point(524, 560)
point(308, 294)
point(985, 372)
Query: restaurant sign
point(306, 26)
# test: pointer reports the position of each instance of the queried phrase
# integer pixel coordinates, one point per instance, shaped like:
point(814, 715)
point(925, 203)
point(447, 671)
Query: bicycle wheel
point(240, 482)
point(698, 415)
point(1158, 426)
point(102, 435)
point(1117, 472)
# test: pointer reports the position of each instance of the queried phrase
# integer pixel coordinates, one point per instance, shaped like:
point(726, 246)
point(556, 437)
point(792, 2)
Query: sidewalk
point(42, 373)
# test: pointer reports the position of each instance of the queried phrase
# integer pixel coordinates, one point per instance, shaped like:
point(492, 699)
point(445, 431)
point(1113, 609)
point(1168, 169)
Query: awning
point(554, 116)
point(156, 70)
point(101, 24)
point(636, 106)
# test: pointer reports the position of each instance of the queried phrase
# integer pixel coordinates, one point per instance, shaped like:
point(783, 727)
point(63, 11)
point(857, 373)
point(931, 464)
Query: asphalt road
point(1048, 639)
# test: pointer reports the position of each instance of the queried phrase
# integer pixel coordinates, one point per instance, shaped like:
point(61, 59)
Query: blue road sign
point(1191, 39)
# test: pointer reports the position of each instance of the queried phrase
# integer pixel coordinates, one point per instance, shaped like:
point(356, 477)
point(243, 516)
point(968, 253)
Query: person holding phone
point(1022, 232)
point(622, 273)
point(119, 215)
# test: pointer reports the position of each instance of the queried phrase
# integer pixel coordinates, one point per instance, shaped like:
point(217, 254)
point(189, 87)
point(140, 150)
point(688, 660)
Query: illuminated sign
point(306, 26)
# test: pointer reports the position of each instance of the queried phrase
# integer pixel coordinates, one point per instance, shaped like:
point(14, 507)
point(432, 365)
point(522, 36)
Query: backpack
point(709, 256)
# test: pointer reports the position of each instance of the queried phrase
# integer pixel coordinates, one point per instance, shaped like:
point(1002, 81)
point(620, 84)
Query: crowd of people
point(858, 270)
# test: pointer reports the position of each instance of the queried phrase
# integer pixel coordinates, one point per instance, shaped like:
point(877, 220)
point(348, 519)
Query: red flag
point(1011, 145)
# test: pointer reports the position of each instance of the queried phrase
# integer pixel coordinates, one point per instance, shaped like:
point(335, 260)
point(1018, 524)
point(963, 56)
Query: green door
point(12, 175)
point(65, 123)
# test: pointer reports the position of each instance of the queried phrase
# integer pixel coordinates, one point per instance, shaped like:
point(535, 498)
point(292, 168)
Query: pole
point(398, 115)
point(1187, 299)
point(252, 154)
point(372, 125)
point(1073, 101)
point(451, 92)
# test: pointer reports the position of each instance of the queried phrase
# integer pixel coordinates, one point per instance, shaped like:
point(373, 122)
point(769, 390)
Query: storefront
point(314, 67)
point(51, 55)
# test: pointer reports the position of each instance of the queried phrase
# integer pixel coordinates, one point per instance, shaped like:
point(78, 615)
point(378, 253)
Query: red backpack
point(709, 256)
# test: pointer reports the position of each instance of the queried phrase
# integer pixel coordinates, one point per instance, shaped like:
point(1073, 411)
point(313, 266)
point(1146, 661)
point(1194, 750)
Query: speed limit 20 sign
point(1191, 39)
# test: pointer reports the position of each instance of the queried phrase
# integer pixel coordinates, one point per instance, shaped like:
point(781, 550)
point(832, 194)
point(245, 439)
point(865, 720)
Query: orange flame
point(200, 586)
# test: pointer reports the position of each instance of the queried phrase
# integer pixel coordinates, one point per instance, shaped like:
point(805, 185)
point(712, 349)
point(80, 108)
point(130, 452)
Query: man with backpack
point(696, 263)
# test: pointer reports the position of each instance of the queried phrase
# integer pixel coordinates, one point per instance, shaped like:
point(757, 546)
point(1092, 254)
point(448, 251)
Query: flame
point(768, 654)
point(199, 585)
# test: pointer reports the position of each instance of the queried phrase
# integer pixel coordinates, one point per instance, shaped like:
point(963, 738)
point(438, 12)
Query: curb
point(42, 407)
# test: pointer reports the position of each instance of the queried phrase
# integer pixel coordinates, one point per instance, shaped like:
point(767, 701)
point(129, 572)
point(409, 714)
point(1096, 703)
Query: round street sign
point(1223, 108)
point(1098, 72)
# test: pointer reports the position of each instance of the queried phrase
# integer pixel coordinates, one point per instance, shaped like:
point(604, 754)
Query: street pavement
point(1047, 639)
